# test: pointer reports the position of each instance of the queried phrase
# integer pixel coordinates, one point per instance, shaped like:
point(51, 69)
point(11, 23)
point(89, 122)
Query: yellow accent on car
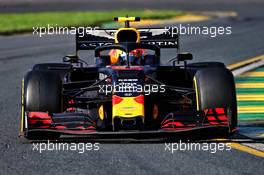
point(196, 93)
point(124, 19)
point(101, 112)
point(22, 108)
point(128, 29)
point(128, 108)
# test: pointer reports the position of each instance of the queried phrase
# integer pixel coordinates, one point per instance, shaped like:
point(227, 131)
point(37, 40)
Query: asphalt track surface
point(19, 53)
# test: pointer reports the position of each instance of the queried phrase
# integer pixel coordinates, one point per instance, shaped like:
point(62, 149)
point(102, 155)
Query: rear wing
point(162, 37)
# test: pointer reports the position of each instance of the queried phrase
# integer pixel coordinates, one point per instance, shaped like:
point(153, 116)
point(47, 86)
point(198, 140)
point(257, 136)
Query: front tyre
point(42, 93)
point(215, 87)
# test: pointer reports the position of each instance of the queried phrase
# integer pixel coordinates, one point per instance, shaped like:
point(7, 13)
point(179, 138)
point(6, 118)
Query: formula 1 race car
point(128, 89)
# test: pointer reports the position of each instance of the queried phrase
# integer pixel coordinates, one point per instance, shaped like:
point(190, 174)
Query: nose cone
point(128, 107)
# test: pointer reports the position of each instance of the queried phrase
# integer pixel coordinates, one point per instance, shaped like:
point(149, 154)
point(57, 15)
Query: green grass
point(249, 91)
point(251, 116)
point(24, 22)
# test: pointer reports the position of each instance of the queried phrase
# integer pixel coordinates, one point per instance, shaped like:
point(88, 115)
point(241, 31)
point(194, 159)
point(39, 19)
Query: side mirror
point(184, 56)
point(70, 58)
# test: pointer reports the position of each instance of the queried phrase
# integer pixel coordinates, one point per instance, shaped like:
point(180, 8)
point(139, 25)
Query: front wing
point(83, 124)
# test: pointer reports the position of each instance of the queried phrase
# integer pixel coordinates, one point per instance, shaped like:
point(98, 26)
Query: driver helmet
point(118, 56)
point(136, 56)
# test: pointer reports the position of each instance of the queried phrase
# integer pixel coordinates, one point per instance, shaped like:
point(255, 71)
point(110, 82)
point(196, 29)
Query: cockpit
point(127, 54)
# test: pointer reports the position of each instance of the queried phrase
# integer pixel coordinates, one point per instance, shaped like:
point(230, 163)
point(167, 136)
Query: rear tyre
point(215, 87)
point(42, 92)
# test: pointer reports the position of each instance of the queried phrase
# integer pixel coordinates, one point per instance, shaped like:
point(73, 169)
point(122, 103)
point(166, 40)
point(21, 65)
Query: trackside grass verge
point(13, 23)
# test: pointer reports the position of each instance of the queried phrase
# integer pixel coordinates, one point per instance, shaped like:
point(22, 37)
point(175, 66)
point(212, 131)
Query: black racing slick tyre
point(215, 87)
point(42, 93)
